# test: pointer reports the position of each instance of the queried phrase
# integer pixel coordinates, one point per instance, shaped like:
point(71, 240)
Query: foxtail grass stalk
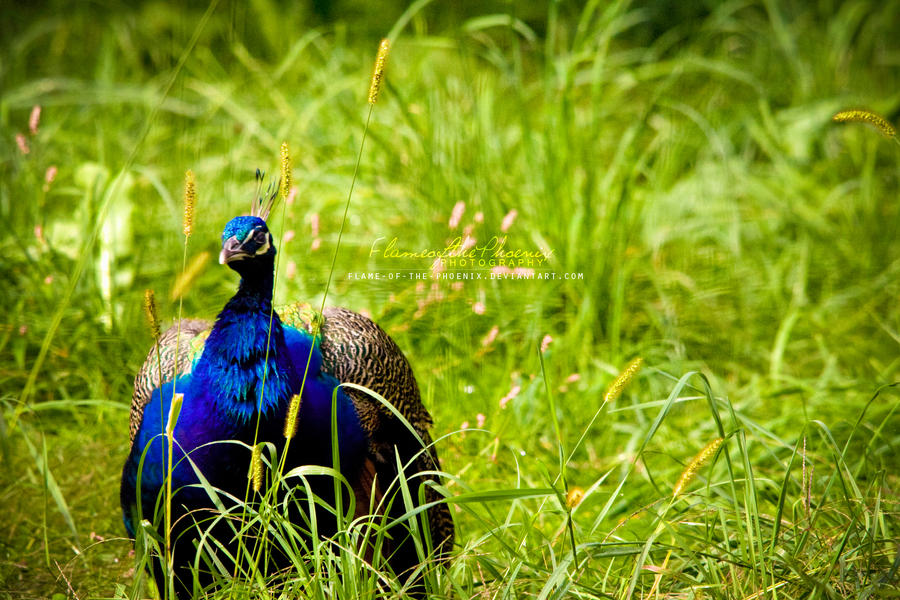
point(285, 183)
point(152, 315)
point(374, 88)
point(378, 71)
point(287, 178)
point(256, 470)
point(290, 423)
point(254, 479)
point(620, 382)
point(866, 116)
point(690, 471)
point(190, 200)
point(612, 393)
point(694, 466)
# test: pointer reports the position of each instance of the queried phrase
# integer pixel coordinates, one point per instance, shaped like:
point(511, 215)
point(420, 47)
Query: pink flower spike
point(34, 119)
point(478, 308)
point(288, 236)
point(291, 270)
point(22, 143)
point(456, 286)
point(291, 196)
point(512, 394)
point(490, 337)
point(50, 175)
point(479, 217)
point(456, 216)
point(464, 425)
point(315, 244)
point(479, 419)
point(545, 343)
point(467, 243)
point(501, 270)
point(48, 279)
point(573, 378)
point(39, 233)
point(314, 224)
point(509, 219)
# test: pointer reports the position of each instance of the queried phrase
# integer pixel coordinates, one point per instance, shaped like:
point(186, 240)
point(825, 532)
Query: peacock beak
point(231, 251)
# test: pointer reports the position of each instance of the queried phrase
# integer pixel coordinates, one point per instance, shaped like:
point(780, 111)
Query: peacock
point(237, 377)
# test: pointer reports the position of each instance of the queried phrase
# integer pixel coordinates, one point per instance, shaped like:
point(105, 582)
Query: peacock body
point(238, 375)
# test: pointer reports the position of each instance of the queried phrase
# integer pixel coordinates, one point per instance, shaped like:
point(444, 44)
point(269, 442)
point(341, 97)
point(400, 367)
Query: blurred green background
point(680, 155)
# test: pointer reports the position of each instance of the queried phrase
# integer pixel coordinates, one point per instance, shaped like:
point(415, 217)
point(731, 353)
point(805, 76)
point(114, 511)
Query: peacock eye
point(260, 236)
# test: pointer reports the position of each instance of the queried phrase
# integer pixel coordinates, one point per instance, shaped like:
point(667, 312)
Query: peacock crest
point(262, 205)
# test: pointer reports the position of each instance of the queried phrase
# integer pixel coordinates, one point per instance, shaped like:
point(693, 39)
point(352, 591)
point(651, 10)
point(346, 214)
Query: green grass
point(727, 231)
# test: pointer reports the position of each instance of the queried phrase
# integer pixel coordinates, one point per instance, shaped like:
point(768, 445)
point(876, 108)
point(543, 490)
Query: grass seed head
point(150, 312)
point(624, 378)
point(174, 412)
point(866, 116)
point(286, 179)
point(691, 470)
point(190, 197)
point(256, 471)
point(378, 72)
point(290, 423)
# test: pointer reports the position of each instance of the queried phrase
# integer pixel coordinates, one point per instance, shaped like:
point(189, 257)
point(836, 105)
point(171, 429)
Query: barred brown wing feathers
point(356, 350)
point(189, 341)
point(363, 353)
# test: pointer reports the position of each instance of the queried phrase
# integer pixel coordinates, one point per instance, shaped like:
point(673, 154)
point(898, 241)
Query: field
point(667, 184)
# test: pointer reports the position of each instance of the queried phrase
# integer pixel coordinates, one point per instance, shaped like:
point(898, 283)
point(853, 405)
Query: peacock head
point(246, 241)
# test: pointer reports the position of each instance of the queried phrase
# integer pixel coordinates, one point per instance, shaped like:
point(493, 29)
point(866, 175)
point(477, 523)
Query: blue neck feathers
point(248, 366)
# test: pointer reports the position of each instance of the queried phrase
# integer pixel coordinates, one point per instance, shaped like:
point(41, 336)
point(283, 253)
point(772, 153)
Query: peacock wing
point(159, 367)
point(356, 350)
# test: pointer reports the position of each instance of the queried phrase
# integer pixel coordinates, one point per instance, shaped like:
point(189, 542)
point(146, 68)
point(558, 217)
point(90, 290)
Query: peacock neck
point(239, 365)
point(255, 291)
